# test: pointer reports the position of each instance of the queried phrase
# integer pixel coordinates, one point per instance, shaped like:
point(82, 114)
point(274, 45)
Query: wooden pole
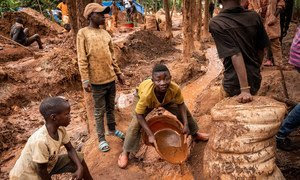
point(16, 43)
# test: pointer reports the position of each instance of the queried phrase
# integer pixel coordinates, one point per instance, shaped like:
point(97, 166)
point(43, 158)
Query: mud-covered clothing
point(17, 33)
point(267, 9)
point(64, 8)
point(95, 56)
point(148, 99)
point(236, 31)
point(104, 102)
point(40, 148)
point(295, 50)
point(133, 134)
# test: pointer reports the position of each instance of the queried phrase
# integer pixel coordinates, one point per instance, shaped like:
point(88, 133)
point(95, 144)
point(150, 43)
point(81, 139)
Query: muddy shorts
point(65, 165)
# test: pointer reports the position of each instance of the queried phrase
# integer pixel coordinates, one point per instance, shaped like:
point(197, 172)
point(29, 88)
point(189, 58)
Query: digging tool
point(283, 84)
point(16, 43)
point(289, 102)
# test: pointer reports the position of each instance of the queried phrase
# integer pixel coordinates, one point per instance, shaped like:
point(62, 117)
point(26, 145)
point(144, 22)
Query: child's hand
point(151, 139)
point(186, 129)
point(272, 20)
point(121, 79)
point(87, 86)
point(78, 175)
point(244, 97)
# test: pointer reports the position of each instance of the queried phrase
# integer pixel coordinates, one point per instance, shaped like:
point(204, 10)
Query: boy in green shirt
point(159, 91)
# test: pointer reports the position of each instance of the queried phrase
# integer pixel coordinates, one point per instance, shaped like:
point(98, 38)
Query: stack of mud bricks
point(242, 143)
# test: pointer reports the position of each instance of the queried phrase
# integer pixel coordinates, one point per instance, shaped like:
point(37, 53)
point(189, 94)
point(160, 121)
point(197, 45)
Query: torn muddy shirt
point(17, 33)
point(96, 56)
point(235, 31)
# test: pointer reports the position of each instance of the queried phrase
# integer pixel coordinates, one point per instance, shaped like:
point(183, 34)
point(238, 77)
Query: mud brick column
point(242, 143)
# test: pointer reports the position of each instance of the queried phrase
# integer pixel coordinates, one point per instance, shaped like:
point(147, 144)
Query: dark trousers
point(290, 123)
point(104, 102)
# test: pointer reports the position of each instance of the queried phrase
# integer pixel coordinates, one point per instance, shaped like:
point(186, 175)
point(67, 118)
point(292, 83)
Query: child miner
point(39, 158)
point(159, 91)
point(98, 70)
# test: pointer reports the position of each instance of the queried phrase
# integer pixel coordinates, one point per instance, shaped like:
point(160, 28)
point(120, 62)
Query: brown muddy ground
point(26, 79)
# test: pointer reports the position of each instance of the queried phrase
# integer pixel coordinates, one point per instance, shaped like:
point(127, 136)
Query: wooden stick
point(286, 101)
point(283, 83)
point(16, 43)
point(40, 6)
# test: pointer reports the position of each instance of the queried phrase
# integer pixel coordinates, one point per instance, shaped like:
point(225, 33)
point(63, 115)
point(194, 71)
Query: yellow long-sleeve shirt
point(96, 56)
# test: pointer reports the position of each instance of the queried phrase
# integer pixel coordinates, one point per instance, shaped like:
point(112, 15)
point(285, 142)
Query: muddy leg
point(99, 93)
point(86, 173)
point(277, 53)
point(110, 106)
point(193, 126)
point(34, 38)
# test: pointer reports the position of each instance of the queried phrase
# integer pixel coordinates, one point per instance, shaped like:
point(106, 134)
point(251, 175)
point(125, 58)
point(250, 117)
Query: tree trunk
point(77, 21)
point(193, 22)
point(206, 18)
point(187, 30)
point(168, 20)
point(76, 9)
point(82, 22)
point(174, 6)
point(72, 8)
point(98, 1)
point(199, 21)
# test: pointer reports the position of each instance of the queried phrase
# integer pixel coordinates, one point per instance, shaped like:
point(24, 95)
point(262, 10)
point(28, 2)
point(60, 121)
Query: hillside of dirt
point(36, 22)
point(29, 75)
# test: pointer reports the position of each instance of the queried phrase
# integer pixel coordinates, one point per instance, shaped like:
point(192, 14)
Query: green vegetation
point(39, 5)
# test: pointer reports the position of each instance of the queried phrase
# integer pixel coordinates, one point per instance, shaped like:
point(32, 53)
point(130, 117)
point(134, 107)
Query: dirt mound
point(12, 52)
point(146, 45)
point(32, 79)
point(36, 22)
point(8, 135)
point(271, 84)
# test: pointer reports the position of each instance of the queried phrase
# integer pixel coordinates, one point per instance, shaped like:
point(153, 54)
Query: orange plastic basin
point(170, 142)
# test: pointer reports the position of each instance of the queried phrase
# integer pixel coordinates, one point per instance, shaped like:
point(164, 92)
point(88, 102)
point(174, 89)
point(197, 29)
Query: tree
point(76, 9)
point(98, 1)
point(206, 18)
point(199, 20)
point(168, 20)
point(188, 40)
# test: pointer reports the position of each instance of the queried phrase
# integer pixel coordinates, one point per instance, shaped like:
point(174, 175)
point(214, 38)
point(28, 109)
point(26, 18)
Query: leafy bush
point(12, 5)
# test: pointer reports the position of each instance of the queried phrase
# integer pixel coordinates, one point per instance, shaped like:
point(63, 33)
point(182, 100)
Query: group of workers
point(241, 39)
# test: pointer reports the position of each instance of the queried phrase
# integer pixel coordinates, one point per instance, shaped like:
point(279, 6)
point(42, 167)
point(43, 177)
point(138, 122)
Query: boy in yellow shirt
point(159, 91)
point(40, 157)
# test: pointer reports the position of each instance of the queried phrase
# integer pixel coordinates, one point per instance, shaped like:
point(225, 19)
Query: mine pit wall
point(36, 22)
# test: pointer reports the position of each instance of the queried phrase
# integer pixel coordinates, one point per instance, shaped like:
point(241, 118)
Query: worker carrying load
point(159, 91)
point(20, 34)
